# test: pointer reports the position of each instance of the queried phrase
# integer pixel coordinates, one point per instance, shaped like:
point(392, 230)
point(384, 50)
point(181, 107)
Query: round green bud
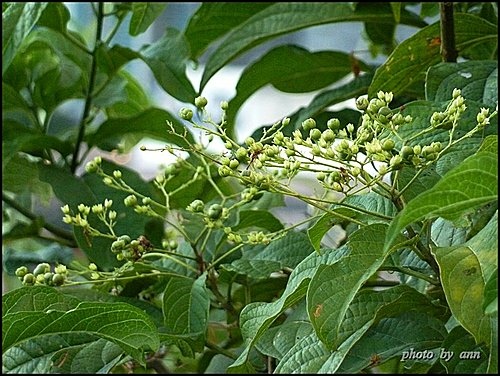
point(337, 187)
point(321, 176)
point(41, 269)
point(285, 121)
point(196, 206)
point(228, 145)
point(117, 174)
point(29, 279)
point(91, 167)
point(92, 267)
point(388, 144)
point(241, 154)
point(47, 278)
point(385, 111)
point(355, 171)
point(200, 102)
point(21, 271)
point(224, 105)
point(233, 164)
point(225, 161)
point(328, 135)
point(406, 151)
point(143, 148)
point(224, 171)
point(333, 124)
point(61, 269)
point(125, 239)
point(172, 244)
point(186, 113)
point(249, 141)
point(315, 134)
point(316, 150)
point(57, 279)
point(214, 211)
point(417, 149)
point(309, 124)
point(362, 103)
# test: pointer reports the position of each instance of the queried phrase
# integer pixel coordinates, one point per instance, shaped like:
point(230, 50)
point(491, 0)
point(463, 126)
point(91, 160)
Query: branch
point(449, 52)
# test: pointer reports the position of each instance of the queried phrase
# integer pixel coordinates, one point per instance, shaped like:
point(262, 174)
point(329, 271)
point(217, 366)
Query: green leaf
point(149, 123)
point(464, 271)
point(38, 298)
point(278, 340)
point(490, 302)
point(471, 184)
point(285, 252)
point(468, 358)
point(327, 98)
point(120, 323)
point(167, 58)
point(258, 218)
point(282, 18)
point(366, 310)
point(17, 22)
point(370, 202)
point(410, 60)
point(490, 144)
point(256, 318)
point(31, 180)
point(185, 308)
point(54, 253)
point(143, 15)
point(62, 353)
point(392, 336)
point(334, 286)
point(55, 16)
point(212, 20)
point(304, 71)
point(478, 81)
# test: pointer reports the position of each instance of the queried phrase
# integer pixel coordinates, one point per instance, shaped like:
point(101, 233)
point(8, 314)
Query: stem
point(90, 89)
point(449, 52)
point(412, 273)
point(28, 214)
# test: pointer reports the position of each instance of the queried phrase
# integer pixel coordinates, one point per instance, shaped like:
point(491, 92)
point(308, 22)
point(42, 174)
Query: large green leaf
point(53, 313)
point(473, 183)
point(17, 22)
point(167, 58)
point(287, 251)
point(281, 18)
point(62, 353)
point(149, 123)
point(478, 81)
point(468, 357)
point(304, 71)
point(333, 287)
point(464, 271)
point(367, 203)
point(410, 60)
point(143, 15)
point(185, 308)
point(212, 20)
point(368, 310)
point(411, 330)
point(256, 318)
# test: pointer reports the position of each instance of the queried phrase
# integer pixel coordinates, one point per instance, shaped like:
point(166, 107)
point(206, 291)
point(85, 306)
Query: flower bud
point(21, 271)
point(333, 124)
point(308, 124)
point(315, 134)
point(200, 102)
point(186, 113)
point(285, 121)
point(130, 200)
point(362, 103)
point(117, 174)
point(91, 167)
point(224, 105)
